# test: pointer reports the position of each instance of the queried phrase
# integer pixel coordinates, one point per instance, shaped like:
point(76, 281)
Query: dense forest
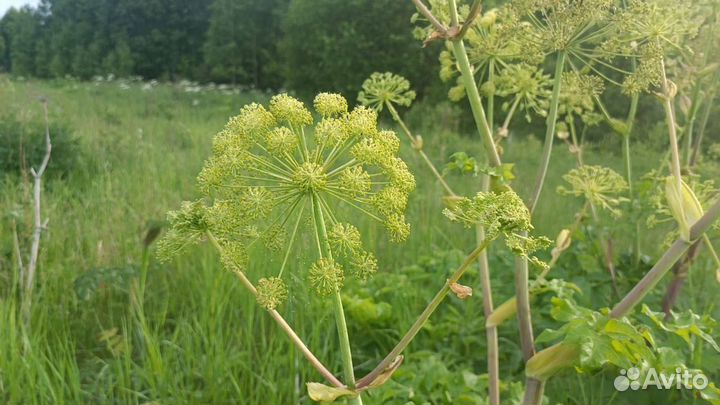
point(267, 44)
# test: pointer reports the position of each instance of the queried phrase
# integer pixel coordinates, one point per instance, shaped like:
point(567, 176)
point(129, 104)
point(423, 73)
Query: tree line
point(304, 45)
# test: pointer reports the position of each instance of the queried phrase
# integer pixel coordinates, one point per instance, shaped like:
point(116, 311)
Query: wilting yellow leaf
point(323, 393)
point(462, 291)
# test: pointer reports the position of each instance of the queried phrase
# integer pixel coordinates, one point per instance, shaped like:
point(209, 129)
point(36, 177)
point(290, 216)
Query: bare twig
point(18, 254)
point(422, 9)
point(37, 215)
point(455, 32)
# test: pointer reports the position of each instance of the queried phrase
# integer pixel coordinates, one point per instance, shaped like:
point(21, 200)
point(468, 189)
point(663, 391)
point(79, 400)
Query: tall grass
point(195, 336)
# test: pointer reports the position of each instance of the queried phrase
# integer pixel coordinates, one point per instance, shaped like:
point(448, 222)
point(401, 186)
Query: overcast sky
point(6, 4)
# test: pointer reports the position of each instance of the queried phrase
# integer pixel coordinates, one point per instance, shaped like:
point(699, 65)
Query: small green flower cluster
point(563, 24)
point(599, 185)
point(382, 88)
point(577, 97)
point(500, 36)
point(273, 174)
point(272, 292)
point(650, 30)
point(502, 213)
point(495, 42)
point(496, 212)
point(345, 241)
point(593, 34)
point(187, 226)
point(528, 85)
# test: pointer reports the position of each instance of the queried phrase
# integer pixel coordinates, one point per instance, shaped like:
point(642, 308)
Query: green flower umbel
point(275, 175)
point(381, 88)
point(601, 186)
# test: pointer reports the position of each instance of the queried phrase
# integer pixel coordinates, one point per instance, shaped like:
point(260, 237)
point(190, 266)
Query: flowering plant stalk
point(278, 176)
point(579, 33)
point(268, 179)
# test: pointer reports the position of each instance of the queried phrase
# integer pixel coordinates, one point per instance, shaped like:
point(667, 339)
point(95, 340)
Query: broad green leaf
point(684, 325)
point(711, 393)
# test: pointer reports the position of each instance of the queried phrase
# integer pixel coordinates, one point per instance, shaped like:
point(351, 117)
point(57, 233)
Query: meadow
point(111, 324)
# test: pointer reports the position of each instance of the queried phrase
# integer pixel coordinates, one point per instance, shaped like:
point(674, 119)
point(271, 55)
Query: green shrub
point(22, 146)
point(334, 45)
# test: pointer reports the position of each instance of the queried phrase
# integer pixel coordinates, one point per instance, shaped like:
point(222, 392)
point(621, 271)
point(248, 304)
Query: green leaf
point(90, 282)
point(462, 163)
point(685, 325)
point(549, 335)
point(565, 310)
point(619, 329)
point(711, 393)
point(599, 350)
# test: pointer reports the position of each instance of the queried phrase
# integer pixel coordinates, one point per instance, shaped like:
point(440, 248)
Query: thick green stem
point(549, 132)
point(522, 292)
point(628, 171)
point(491, 334)
point(667, 97)
point(491, 97)
point(484, 129)
point(345, 351)
point(424, 316)
point(533, 391)
point(533, 387)
point(475, 102)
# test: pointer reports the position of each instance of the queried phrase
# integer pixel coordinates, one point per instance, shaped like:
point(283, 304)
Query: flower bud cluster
point(272, 167)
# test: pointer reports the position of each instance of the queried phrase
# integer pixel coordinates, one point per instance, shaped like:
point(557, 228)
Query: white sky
point(6, 4)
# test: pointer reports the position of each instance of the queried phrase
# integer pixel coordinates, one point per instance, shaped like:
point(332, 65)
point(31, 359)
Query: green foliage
point(427, 379)
point(462, 163)
point(241, 43)
point(93, 282)
point(590, 340)
point(92, 37)
point(327, 44)
point(205, 340)
point(21, 34)
point(22, 145)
